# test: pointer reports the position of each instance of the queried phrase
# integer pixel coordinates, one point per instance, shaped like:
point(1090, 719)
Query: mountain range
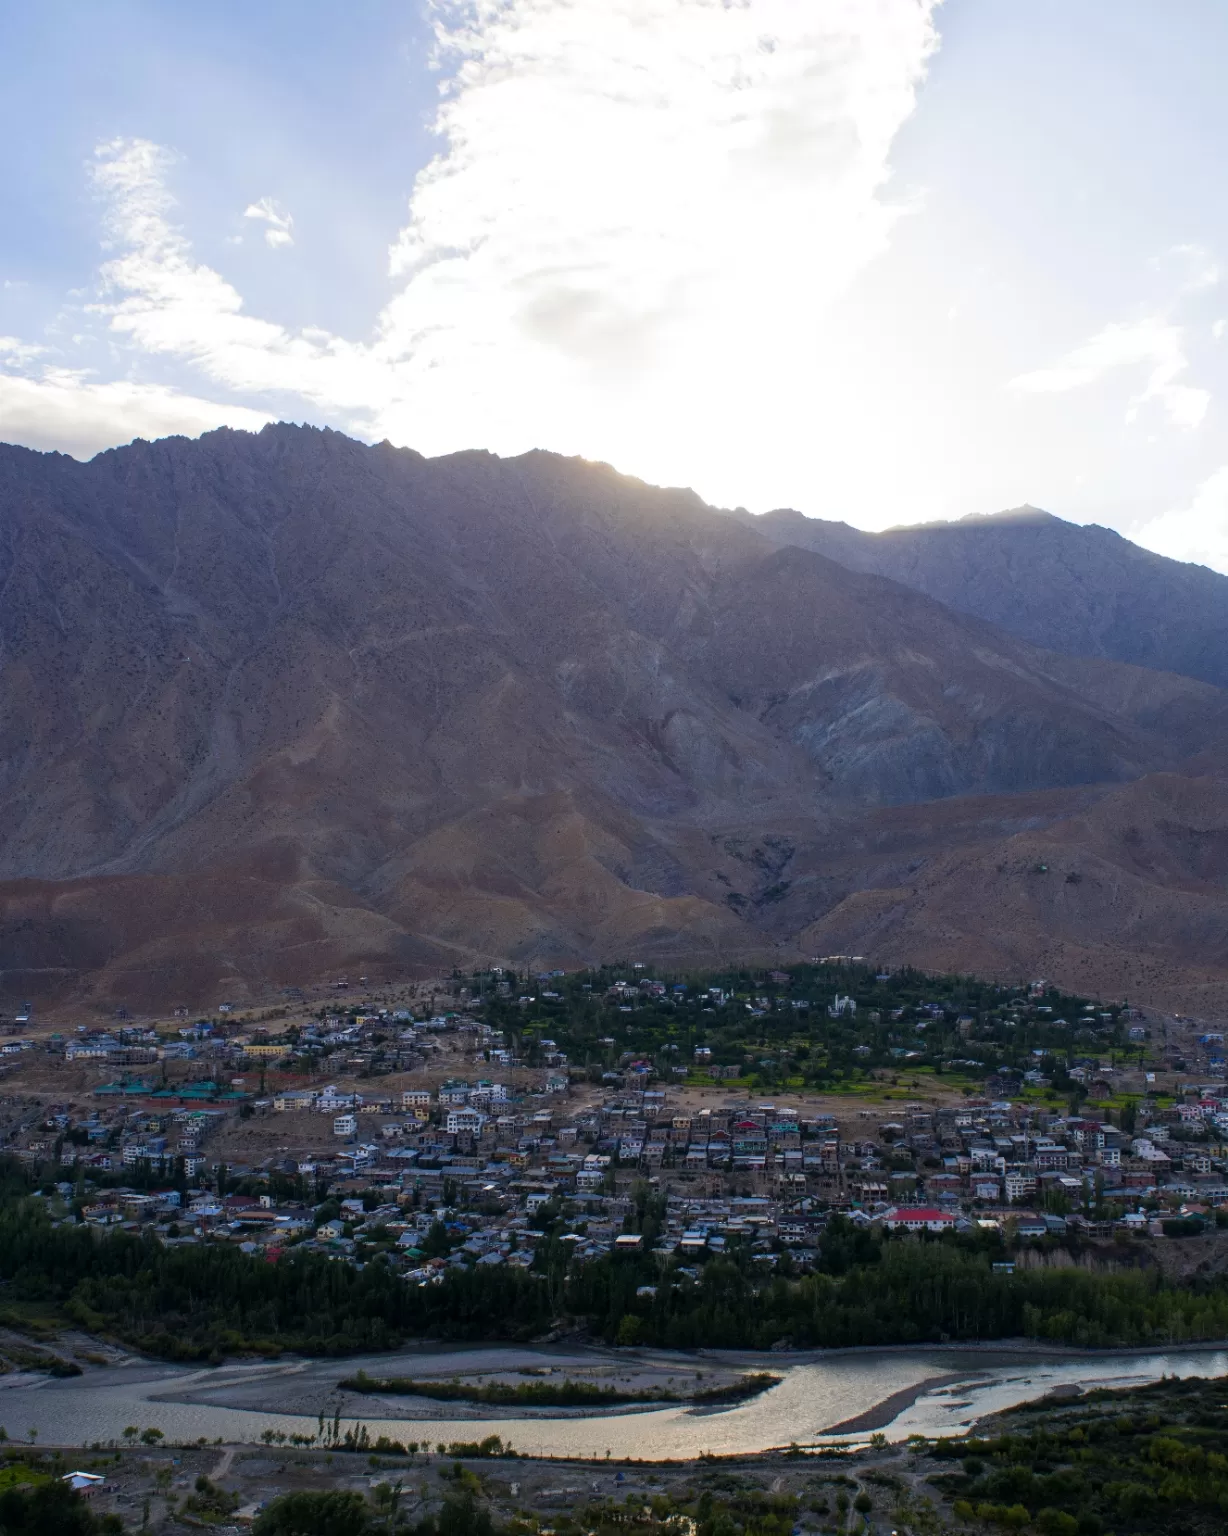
point(276, 707)
point(1086, 591)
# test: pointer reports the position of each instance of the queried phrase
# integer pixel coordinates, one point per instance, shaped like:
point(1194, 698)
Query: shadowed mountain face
point(280, 705)
point(1085, 591)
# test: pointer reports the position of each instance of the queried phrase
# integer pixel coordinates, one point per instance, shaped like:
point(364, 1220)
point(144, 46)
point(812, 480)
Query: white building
point(462, 1120)
point(918, 1218)
point(1020, 1186)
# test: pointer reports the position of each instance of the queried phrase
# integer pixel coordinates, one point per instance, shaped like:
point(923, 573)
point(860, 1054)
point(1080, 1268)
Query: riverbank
point(1018, 1347)
point(155, 1486)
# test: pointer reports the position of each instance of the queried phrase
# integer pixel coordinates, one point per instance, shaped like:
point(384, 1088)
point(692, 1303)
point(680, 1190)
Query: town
point(429, 1131)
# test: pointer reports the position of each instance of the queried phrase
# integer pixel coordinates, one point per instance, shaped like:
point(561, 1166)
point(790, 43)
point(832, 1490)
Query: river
point(838, 1397)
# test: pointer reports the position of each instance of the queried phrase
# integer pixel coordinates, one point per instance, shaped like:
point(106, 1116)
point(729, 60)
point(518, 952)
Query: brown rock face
point(279, 705)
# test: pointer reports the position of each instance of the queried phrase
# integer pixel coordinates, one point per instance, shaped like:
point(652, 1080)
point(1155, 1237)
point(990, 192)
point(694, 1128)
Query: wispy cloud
point(1197, 270)
point(1153, 344)
point(163, 302)
point(640, 214)
point(279, 226)
point(18, 351)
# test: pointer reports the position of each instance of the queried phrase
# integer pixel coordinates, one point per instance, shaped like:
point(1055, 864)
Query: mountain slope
point(1085, 591)
point(277, 705)
point(1126, 891)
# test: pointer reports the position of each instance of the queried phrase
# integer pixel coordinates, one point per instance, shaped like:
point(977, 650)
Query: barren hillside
point(279, 705)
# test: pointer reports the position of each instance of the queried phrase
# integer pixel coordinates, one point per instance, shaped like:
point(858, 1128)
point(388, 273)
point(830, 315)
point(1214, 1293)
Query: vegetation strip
point(549, 1394)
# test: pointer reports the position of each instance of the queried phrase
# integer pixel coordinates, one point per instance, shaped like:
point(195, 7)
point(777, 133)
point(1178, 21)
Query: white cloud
point(63, 411)
point(279, 226)
point(641, 213)
point(1153, 343)
point(1197, 532)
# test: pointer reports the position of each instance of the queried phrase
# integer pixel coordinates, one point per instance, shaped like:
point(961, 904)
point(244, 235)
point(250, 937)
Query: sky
point(885, 261)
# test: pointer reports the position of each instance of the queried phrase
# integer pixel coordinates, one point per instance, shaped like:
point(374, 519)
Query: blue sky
point(879, 259)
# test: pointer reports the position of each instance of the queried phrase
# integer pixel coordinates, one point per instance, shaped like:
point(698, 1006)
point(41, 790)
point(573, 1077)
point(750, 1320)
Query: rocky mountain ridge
point(276, 705)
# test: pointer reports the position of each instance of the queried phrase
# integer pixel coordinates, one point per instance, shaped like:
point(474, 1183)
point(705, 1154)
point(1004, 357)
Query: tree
point(335, 1513)
point(462, 1515)
point(630, 1330)
point(387, 1499)
point(51, 1509)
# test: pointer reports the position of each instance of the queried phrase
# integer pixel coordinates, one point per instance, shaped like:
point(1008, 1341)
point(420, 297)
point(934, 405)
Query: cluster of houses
point(457, 1173)
point(384, 1042)
point(113, 1136)
point(455, 1169)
